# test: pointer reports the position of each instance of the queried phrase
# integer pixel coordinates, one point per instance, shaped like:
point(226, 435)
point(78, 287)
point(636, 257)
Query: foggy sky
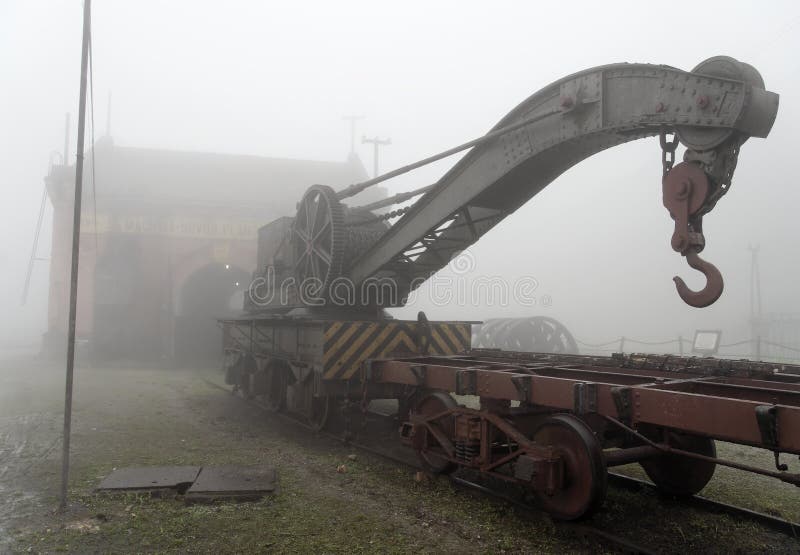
point(275, 79)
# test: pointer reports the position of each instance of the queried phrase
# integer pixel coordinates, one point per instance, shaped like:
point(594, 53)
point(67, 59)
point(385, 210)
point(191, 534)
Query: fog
point(276, 79)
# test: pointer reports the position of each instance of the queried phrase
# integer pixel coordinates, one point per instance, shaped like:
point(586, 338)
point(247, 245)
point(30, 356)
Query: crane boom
point(329, 251)
point(712, 109)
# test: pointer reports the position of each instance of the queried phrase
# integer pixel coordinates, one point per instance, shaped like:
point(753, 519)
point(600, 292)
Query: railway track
point(791, 529)
point(477, 486)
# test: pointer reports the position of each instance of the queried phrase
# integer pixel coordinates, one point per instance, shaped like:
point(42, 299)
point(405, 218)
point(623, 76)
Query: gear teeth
point(336, 242)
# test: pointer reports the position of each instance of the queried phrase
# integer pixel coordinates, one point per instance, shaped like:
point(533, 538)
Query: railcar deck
point(556, 422)
point(728, 400)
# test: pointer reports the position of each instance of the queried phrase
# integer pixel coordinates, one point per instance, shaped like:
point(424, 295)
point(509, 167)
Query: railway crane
point(314, 338)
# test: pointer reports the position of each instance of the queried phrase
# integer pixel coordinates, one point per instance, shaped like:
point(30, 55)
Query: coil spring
point(466, 450)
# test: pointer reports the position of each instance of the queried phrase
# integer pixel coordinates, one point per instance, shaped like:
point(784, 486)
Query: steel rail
point(581, 529)
point(773, 522)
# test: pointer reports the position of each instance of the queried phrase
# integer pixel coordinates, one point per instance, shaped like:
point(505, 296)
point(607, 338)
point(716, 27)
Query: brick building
point(169, 244)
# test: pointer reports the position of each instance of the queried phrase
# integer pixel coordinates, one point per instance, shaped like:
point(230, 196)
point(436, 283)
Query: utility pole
point(76, 235)
point(376, 144)
point(108, 116)
point(352, 119)
point(755, 284)
point(66, 140)
point(756, 322)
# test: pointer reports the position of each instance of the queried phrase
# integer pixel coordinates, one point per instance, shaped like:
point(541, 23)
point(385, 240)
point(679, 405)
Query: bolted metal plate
point(232, 482)
point(150, 478)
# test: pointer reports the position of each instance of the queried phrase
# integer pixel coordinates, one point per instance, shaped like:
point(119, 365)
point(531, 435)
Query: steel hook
point(714, 283)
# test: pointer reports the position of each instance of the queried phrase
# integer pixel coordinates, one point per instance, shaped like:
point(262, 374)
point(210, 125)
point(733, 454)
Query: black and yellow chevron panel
point(348, 344)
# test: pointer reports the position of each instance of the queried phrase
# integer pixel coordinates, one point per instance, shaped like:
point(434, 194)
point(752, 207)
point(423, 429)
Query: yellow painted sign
point(171, 226)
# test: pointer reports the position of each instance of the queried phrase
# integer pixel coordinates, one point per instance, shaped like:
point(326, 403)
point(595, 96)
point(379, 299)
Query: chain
point(382, 217)
point(668, 147)
point(720, 165)
point(731, 160)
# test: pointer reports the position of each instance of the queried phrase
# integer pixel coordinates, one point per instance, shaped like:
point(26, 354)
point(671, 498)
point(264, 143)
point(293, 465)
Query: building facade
point(168, 244)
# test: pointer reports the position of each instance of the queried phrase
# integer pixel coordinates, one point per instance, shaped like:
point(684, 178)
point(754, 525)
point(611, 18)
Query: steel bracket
point(767, 418)
point(420, 372)
point(585, 398)
point(300, 372)
point(371, 374)
point(623, 402)
point(466, 382)
point(543, 473)
point(523, 385)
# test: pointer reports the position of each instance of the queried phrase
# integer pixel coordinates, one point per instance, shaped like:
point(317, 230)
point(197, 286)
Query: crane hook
point(714, 283)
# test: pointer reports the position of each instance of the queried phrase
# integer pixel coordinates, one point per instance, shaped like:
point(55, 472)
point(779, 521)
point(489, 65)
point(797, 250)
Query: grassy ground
point(131, 417)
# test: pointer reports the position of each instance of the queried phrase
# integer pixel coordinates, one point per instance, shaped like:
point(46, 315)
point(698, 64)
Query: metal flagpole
point(76, 233)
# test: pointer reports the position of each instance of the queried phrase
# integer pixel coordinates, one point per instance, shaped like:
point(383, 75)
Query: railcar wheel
point(431, 405)
point(585, 477)
point(320, 411)
point(277, 380)
point(678, 474)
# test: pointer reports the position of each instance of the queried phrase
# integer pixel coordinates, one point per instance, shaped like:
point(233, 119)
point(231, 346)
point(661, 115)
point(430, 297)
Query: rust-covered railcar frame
point(631, 411)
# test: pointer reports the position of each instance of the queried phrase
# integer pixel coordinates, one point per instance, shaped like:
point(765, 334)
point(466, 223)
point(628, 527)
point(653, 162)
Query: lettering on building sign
point(171, 226)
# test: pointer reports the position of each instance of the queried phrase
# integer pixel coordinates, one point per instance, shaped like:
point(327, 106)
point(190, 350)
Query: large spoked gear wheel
point(538, 334)
point(318, 237)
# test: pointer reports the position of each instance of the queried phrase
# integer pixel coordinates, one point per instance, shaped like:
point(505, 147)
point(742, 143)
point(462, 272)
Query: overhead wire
point(91, 117)
point(596, 345)
point(622, 340)
point(667, 342)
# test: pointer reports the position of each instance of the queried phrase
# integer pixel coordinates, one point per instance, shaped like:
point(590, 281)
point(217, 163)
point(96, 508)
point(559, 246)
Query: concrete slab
point(240, 483)
point(150, 479)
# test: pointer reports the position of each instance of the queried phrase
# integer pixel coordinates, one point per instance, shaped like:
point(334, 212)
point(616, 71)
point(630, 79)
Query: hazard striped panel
point(348, 344)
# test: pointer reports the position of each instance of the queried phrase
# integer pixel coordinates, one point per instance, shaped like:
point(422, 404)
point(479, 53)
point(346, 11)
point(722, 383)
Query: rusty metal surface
point(704, 366)
point(685, 193)
point(232, 482)
point(596, 413)
point(149, 478)
point(709, 405)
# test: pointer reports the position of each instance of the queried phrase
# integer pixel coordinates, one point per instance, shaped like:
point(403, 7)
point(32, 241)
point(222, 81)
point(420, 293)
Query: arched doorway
point(118, 330)
point(208, 294)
